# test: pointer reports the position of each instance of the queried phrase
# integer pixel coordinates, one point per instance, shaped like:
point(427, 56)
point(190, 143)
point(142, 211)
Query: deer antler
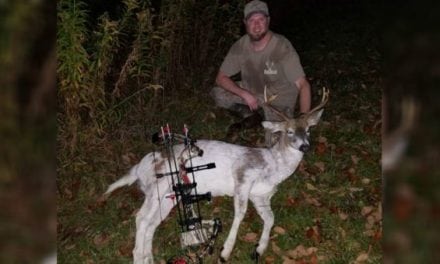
point(324, 100)
point(267, 104)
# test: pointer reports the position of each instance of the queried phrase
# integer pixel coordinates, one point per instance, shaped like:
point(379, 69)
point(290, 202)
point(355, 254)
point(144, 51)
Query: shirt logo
point(270, 68)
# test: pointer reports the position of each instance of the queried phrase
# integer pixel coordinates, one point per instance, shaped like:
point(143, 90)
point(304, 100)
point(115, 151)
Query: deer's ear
point(273, 126)
point(313, 119)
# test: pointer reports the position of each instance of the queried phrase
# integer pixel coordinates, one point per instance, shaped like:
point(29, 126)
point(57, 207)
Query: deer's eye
point(290, 132)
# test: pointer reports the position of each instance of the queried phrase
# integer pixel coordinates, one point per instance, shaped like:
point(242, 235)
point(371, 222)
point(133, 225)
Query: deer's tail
point(128, 179)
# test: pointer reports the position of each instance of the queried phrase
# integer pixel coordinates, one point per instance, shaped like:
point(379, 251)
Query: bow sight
point(196, 234)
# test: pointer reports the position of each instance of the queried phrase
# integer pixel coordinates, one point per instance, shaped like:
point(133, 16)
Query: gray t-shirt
point(277, 67)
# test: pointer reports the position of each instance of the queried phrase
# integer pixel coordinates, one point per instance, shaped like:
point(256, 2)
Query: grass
point(320, 206)
point(339, 190)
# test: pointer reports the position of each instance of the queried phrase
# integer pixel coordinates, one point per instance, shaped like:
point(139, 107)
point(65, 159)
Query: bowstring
point(157, 187)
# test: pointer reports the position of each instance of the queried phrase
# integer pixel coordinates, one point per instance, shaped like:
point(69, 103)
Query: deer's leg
point(151, 214)
point(142, 252)
point(240, 206)
point(262, 205)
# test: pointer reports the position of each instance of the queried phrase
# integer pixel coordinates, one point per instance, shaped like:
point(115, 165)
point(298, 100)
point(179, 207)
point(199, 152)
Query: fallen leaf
point(155, 250)
point(192, 256)
point(343, 233)
point(332, 146)
point(355, 189)
point(350, 174)
point(313, 259)
point(340, 150)
point(126, 249)
point(343, 216)
point(366, 210)
point(129, 158)
point(302, 168)
point(216, 210)
point(322, 139)
point(311, 250)
point(290, 201)
point(377, 235)
point(361, 258)
point(250, 237)
point(333, 209)
point(68, 193)
point(279, 230)
point(355, 159)
point(212, 115)
point(70, 246)
point(311, 187)
point(276, 249)
point(321, 148)
point(365, 180)
point(320, 165)
point(298, 252)
point(371, 220)
point(287, 260)
point(313, 234)
point(368, 129)
point(369, 225)
point(313, 201)
point(101, 201)
point(101, 239)
point(269, 259)
point(369, 233)
point(377, 214)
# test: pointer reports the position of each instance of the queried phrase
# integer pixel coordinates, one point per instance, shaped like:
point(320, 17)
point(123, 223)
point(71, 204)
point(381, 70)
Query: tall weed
point(125, 65)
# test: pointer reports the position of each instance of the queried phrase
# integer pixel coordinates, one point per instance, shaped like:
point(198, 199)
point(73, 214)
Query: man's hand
point(226, 83)
point(250, 100)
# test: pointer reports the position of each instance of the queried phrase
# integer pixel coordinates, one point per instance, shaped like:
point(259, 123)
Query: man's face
point(257, 26)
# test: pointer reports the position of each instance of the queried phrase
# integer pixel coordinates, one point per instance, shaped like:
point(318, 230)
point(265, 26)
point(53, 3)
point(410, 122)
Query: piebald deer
point(242, 172)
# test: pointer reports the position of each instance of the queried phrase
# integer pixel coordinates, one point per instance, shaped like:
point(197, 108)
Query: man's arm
point(304, 94)
point(226, 83)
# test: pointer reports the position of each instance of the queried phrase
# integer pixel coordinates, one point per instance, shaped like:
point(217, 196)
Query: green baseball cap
point(255, 6)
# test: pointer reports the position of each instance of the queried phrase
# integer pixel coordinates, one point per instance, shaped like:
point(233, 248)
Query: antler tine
point(324, 99)
point(267, 103)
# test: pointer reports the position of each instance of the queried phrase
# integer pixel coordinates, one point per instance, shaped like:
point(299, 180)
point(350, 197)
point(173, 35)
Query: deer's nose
point(200, 152)
point(304, 147)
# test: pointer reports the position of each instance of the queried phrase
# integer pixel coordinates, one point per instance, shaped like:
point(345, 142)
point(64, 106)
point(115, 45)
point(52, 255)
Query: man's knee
point(221, 98)
point(225, 99)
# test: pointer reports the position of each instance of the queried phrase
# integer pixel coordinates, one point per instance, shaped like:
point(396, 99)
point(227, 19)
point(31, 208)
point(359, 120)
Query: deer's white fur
point(242, 172)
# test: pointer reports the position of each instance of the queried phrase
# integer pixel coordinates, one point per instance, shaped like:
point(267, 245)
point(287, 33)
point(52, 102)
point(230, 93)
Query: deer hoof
point(221, 260)
point(255, 255)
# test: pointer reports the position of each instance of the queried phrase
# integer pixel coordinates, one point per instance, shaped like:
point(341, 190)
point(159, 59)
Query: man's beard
point(258, 36)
